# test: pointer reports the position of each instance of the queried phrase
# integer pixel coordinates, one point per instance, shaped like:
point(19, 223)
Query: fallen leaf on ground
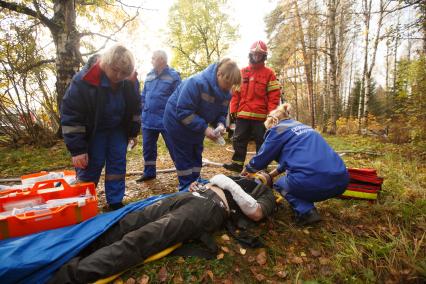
point(253, 269)
point(220, 256)
point(281, 274)
point(260, 277)
point(225, 237)
point(297, 260)
point(178, 279)
point(144, 279)
point(324, 260)
point(315, 253)
point(162, 274)
point(251, 258)
point(261, 258)
point(302, 254)
point(224, 249)
point(210, 274)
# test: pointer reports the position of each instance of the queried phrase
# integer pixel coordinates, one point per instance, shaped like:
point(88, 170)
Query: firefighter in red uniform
point(258, 95)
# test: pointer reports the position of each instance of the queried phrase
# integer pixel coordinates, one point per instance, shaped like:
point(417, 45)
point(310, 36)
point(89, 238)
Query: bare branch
point(38, 64)
point(23, 9)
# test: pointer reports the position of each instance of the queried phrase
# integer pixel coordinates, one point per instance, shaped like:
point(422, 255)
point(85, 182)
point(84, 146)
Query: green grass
point(30, 159)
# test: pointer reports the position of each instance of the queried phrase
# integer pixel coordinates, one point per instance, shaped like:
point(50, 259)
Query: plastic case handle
point(38, 184)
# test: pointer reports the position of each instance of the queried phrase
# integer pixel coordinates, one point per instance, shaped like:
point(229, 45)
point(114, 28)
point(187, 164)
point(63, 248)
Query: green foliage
point(24, 87)
point(408, 101)
point(200, 34)
point(375, 104)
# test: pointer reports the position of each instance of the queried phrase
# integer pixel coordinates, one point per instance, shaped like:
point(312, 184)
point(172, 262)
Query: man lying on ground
point(178, 218)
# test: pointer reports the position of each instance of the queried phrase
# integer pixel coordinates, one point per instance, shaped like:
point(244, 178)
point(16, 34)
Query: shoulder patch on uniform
point(150, 77)
point(280, 128)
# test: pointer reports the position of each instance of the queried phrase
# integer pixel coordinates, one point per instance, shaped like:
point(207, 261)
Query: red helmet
point(259, 46)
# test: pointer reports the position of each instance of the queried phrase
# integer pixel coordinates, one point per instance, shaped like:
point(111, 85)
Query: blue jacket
point(157, 90)
point(303, 153)
point(84, 106)
point(197, 102)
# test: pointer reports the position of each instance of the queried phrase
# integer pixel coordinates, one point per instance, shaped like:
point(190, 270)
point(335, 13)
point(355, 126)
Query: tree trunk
point(307, 59)
point(367, 16)
point(333, 64)
point(67, 43)
point(325, 93)
point(348, 97)
point(423, 23)
point(367, 93)
point(295, 86)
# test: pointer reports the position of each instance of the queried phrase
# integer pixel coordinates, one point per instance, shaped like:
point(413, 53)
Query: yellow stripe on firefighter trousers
point(358, 194)
point(156, 256)
point(251, 114)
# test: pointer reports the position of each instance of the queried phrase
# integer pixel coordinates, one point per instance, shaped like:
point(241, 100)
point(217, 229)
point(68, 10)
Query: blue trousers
point(188, 161)
point(149, 142)
point(302, 199)
point(107, 147)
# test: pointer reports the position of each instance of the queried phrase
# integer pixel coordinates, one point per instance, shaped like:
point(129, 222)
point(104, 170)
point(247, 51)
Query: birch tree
point(59, 17)
point(370, 52)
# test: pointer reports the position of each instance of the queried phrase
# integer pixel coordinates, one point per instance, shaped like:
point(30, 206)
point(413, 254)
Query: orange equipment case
point(49, 218)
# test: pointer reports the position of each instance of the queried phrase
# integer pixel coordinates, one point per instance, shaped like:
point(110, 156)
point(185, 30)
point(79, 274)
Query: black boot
point(233, 167)
point(308, 218)
point(115, 206)
point(144, 178)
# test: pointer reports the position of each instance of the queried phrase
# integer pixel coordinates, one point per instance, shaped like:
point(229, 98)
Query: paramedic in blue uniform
point(100, 114)
point(314, 171)
point(160, 83)
point(200, 100)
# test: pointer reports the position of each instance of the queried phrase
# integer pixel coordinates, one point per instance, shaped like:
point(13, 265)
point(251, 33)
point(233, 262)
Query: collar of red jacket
point(258, 65)
point(94, 75)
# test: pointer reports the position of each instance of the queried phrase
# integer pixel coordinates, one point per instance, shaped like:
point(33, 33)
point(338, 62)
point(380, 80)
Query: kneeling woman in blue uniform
point(201, 100)
point(314, 171)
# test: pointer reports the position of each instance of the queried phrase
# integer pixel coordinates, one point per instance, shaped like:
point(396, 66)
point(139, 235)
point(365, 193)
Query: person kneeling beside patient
point(314, 171)
point(172, 220)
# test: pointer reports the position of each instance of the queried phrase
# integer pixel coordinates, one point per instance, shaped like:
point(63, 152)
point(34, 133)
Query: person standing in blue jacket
point(100, 115)
point(160, 83)
point(314, 171)
point(200, 100)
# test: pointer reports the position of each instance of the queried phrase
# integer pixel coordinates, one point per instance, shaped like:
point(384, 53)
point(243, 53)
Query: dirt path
point(167, 182)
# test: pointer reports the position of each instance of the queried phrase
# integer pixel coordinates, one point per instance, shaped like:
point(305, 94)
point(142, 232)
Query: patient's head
point(280, 113)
